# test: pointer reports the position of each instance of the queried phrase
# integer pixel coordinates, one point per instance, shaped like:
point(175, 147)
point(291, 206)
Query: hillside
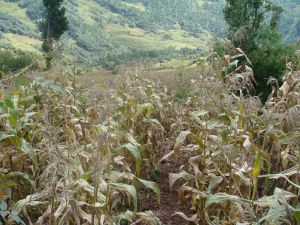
point(108, 31)
point(142, 112)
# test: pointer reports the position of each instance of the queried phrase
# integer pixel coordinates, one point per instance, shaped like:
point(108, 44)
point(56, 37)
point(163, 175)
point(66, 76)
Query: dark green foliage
point(182, 88)
point(252, 27)
point(289, 26)
point(1, 74)
point(8, 24)
point(246, 18)
point(270, 59)
point(13, 61)
point(190, 14)
point(55, 23)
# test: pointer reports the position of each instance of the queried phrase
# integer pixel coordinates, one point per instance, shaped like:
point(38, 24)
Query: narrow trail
point(169, 200)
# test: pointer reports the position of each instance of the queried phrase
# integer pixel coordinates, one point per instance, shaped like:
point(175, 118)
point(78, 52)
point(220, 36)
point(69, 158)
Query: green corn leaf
point(221, 121)
point(257, 167)
point(179, 142)
point(28, 149)
point(145, 109)
point(130, 189)
point(173, 177)
point(21, 80)
point(9, 103)
point(20, 174)
point(221, 197)
point(3, 206)
point(284, 174)
point(10, 139)
point(34, 199)
point(137, 155)
point(148, 184)
point(153, 186)
point(181, 139)
point(84, 185)
point(296, 215)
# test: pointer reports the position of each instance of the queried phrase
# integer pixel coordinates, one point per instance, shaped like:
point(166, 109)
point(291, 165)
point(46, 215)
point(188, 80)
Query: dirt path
point(169, 201)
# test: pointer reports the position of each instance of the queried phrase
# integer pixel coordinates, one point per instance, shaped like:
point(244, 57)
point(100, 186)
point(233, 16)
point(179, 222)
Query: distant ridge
point(103, 31)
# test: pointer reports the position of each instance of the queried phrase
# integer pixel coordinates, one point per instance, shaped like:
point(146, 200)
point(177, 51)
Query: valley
point(111, 32)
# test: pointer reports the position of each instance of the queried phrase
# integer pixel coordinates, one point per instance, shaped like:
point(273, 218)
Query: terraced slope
point(110, 31)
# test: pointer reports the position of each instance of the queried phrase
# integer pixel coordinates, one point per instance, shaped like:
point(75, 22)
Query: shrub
point(270, 62)
point(270, 59)
point(10, 24)
point(13, 61)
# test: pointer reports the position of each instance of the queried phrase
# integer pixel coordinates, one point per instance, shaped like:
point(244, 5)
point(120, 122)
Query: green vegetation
point(255, 33)
point(270, 60)
point(101, 36)
point(13, 61)
point(246, 21)
point(190, 15)
point(15, 20)
point(53, 26)
point(112, 31)
point(21, 42)
point(289, 25)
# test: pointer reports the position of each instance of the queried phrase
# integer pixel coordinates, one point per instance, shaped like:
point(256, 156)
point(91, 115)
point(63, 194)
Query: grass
point(117, 29)
point(139, 6)
point(200, 2)
point(87, 8)
point(14, 10)
point(174, 63)
point(21, 42)
point(179, 39)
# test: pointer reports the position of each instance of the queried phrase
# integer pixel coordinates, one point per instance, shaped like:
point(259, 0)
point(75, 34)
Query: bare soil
point(169, 200)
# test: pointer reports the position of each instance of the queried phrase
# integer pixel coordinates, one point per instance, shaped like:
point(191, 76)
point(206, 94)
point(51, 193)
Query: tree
point(246, 18)
point(252, 27)
point(53, 26)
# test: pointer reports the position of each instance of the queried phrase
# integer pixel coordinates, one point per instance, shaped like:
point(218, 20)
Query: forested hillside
point(290, 22)
point(109, 31)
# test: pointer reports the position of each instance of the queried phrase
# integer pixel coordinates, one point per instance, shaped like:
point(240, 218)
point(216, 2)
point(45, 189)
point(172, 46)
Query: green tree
point(53, 26)
point(252, 27)
point(247, 18)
